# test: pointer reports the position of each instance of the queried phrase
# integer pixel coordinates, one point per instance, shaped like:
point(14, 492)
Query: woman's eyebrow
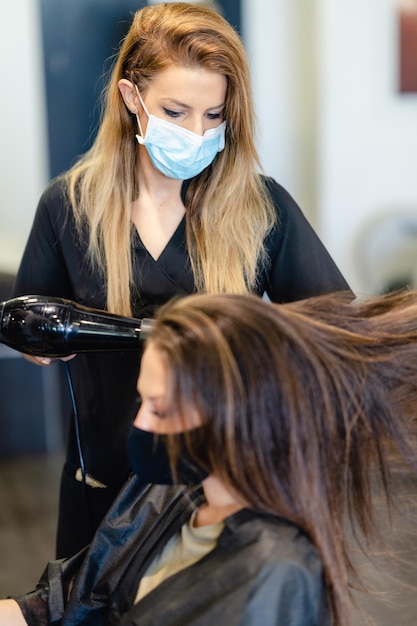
point(153, 398)
point(187, 106)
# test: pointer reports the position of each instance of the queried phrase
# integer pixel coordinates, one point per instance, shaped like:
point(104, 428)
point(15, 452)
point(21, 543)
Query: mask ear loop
point(140, 138)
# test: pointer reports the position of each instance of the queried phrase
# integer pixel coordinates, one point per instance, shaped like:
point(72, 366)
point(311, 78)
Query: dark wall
point(80, 38)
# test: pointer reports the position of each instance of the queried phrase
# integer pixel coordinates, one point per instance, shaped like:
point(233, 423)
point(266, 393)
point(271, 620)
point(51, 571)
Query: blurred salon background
point(335, 88)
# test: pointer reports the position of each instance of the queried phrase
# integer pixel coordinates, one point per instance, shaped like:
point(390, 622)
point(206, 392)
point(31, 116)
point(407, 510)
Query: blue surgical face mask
point(176, 151)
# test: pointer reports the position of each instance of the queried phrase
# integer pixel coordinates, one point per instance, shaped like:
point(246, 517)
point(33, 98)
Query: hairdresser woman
point(167, 202)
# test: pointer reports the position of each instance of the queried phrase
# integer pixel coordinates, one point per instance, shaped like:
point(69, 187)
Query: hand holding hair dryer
point(56, 327)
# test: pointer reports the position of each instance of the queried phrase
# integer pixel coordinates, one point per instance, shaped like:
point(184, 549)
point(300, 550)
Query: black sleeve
point(43, 267)
point(300, 265)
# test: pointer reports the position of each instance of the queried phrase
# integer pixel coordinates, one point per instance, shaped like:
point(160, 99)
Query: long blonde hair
point(229, 211)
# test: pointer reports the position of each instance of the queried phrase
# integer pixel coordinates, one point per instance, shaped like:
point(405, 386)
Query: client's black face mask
point(149, 459)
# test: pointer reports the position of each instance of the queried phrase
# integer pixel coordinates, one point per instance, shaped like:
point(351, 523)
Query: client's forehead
point(152, 380)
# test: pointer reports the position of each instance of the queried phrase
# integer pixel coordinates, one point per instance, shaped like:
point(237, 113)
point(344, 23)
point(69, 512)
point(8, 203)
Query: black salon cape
point(263, 572)
point(55, 263)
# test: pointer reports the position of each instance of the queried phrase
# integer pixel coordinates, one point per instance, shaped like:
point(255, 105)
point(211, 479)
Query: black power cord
point(79, 444)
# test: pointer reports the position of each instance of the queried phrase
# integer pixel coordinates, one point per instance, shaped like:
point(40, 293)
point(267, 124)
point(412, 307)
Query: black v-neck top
point(169, 275)
point(55, 263)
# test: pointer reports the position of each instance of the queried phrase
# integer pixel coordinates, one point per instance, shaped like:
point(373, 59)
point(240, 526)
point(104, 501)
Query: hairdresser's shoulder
point(282, 200)
point(291, 224)
point(54, 207)
point(55, 193)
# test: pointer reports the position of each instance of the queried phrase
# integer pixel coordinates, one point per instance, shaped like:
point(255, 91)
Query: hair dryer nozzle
point(56, 327)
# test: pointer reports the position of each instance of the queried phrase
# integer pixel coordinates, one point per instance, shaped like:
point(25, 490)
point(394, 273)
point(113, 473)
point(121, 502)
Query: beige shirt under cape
point(185, 548)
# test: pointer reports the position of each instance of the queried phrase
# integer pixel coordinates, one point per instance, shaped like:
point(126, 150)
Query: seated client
point(260, 426)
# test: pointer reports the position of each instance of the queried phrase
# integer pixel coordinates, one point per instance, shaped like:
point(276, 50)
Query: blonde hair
point(229, 211)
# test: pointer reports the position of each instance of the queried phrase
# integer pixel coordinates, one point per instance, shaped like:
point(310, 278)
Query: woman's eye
point(214, 116)
point(171, 113)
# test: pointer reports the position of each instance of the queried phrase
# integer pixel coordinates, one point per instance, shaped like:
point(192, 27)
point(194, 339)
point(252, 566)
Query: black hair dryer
point(56, 327)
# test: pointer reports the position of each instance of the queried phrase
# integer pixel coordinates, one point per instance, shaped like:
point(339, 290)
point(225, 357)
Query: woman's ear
point(129, 95)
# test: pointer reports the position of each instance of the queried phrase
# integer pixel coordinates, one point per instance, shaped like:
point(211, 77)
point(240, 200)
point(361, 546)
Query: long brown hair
point(229, 211)
point(300, 404)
